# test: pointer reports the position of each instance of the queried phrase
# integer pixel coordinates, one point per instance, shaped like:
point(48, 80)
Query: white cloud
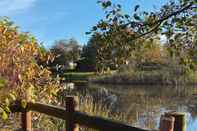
point(8, 7)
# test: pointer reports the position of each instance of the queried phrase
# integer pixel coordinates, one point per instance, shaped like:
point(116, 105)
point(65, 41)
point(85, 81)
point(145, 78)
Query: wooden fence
point(73, 118)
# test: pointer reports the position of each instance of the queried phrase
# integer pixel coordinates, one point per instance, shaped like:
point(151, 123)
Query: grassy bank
point(172, 74)
point(154, 77)
point(79, 77)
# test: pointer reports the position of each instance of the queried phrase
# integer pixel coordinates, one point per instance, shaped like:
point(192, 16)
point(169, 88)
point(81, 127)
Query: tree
point(65, 51)
point(88, 57)
point(123, 33)
point(150, 52)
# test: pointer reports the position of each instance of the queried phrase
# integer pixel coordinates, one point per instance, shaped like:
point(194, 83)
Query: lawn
point(78, 76)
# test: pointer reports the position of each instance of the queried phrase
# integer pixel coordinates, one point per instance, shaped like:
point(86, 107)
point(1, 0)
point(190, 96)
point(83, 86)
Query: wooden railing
point(73, 118)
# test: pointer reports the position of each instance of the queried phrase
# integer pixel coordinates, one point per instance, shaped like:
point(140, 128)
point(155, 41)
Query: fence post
point(166, 123)
point(26, 115)
point(26, 120)
point(72, 105)
point(180, 120)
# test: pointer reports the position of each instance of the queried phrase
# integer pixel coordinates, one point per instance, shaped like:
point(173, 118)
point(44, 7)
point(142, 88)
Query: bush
point(19, 72)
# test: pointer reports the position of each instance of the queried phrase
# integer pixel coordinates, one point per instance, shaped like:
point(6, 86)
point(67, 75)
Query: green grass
point(80, 73)
point(78, 76)
point(155, 77)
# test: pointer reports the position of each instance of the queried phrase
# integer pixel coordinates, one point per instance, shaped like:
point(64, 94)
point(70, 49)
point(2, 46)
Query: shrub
point(19, 72)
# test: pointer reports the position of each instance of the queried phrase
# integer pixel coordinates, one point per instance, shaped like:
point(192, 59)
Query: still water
point(143, 105)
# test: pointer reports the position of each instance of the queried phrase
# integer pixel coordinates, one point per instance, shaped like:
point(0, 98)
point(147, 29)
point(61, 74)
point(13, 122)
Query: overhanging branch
point(157, 23)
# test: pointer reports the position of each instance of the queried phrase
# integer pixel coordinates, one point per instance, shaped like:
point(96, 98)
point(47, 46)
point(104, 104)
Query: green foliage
point(90, 54)
point(121, 34)
point(132, 40)
point(104, 56)
point(2, 83)
point(24, 103)
point(4, 115)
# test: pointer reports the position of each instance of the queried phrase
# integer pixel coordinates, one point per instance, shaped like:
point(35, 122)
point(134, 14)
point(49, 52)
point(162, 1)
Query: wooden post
point(166, 123)
point(26, 121)
point(26, 115)
point(72, 105)
point(180, 120)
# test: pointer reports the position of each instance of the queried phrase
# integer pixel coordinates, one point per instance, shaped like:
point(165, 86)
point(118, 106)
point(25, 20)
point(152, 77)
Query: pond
point(143, 105)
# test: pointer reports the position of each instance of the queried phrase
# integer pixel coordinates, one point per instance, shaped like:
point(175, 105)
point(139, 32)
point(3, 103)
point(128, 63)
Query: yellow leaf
point(7, 102)
point(7, 109)
point(12, 96)
point(24, 103)
point(4, 115)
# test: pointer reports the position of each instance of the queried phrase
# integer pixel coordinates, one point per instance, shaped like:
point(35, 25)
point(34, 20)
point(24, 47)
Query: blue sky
point(51, 20)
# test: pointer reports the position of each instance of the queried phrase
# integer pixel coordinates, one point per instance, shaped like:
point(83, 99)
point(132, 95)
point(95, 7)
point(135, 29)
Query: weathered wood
point(26, 115)
point(26, 121)
point(80, 118)
point(50, 110)
point(166, 123)
point(73, 116)
point(72, 105)
point(180, 120)
point(102, 124)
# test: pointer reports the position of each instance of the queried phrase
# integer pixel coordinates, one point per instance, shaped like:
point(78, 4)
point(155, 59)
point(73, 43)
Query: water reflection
point(143, 106)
